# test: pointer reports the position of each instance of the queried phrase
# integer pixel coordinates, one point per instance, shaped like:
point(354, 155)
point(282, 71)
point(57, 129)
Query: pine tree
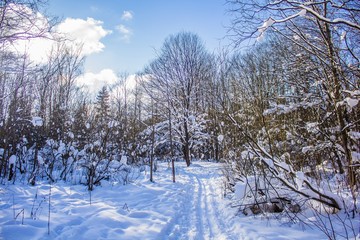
point(102, 114)
point(80, 126)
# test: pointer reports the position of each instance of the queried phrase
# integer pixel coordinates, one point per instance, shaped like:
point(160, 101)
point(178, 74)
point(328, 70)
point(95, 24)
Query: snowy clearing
point(191, 208)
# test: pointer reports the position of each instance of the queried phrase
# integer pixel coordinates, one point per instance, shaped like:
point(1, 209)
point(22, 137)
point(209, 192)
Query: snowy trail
point(205, 215)
point(192, 208)
point(200, 218)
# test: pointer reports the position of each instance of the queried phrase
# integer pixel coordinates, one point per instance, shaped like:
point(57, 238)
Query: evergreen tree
point(81, 126)
point(102, 108)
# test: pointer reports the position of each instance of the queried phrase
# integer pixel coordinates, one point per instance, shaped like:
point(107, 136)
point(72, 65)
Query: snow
point(40, 160)
point(192, 208)
point(112, 124)
point(355, 156)
point(302, 13)
point(269, 162)
point(312, 127)
point(285, 166)
point(343, 35)
point(351, 102)
point(266, 24)
point(37, 121)
point(12, 160)
point(123, 160)
point(300, 177)
point(71, 135)
point(307, 149)
point(353, 93)
point(240, 190)
point(354, 135)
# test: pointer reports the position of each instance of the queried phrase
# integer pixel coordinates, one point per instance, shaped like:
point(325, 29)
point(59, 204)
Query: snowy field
point(191, 208)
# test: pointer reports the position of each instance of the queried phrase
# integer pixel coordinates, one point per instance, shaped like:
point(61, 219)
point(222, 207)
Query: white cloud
point(125, 32)
point(125, 86)
point(95, 81)
point(130, 81)
point(88, 32)
point(38, 49)
point(127, 16)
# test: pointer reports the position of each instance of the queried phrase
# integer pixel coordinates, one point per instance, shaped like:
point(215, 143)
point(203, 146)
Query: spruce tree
point(102, 108)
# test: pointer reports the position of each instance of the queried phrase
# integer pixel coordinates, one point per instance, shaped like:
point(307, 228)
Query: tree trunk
point(338, 109)
point(3, 163)
point(171, 148)
point(32, 179)
point(186, 152)
point(152, 143)
point(186, 146)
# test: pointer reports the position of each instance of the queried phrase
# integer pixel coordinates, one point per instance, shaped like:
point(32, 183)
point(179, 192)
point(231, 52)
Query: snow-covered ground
point(191, 208)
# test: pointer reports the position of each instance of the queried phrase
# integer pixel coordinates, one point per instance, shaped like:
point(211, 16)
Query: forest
point(279, 108)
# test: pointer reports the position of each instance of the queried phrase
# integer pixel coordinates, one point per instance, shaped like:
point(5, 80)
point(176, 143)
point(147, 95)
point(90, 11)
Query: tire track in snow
point(183, 225)
point(200, 218)
point(197, 226)
point(222, 229)
point(217, 228)
point(206, 212)
point(192, 227)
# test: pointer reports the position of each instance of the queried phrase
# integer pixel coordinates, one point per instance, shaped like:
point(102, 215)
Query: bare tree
point(329, 31)
point(176, 76)
point(21, 20)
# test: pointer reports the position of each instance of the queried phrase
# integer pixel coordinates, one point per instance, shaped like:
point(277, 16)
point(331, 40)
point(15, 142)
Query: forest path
point(191, 208)
point(199, 216)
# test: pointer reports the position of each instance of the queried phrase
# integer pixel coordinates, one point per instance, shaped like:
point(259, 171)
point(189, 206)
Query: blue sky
point(135, 28)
